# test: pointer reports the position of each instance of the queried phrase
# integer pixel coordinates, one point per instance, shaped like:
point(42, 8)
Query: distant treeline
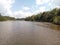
point(52, 16)
point(20, 18)
point(4, 18)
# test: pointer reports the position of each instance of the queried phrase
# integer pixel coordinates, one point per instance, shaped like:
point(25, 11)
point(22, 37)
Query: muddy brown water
point(29, 33)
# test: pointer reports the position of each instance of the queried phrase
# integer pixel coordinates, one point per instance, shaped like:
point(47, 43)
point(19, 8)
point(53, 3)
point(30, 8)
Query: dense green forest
point(52, 16)
point(5, 18)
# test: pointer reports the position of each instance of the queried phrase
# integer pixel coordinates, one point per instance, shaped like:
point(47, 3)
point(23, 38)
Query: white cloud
point(56, 3)
point(40, 9)
point(22, 14)
point(39, 2)
point(5, 7)
point(26, 8)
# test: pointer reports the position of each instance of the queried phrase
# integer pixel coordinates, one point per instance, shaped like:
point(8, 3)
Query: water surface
point(29, 33)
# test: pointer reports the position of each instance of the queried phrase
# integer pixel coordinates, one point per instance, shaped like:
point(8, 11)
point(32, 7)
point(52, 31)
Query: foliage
point(4, 18)
point(56, 20)
point(48, 16)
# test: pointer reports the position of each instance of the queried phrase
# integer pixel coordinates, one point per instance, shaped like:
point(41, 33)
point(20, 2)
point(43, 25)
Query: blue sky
point(21, 3)
point(25, 8)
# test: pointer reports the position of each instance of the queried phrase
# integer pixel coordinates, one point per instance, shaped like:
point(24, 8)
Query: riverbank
point(48, 25)
point(52, 16)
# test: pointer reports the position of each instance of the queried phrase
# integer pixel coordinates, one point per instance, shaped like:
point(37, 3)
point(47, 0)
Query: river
point(29, 33)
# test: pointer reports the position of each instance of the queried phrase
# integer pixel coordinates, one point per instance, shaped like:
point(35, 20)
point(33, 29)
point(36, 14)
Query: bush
point(56, 20)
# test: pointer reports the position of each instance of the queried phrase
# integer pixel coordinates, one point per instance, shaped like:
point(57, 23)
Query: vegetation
point(4, 18)
point(19, 19)
point(56, 20)
point(52, 16)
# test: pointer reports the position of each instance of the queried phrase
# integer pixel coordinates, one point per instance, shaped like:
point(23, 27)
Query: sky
point(25, 8)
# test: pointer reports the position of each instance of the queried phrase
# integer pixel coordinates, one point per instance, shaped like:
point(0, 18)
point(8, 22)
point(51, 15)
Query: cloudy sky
point(24, 8)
